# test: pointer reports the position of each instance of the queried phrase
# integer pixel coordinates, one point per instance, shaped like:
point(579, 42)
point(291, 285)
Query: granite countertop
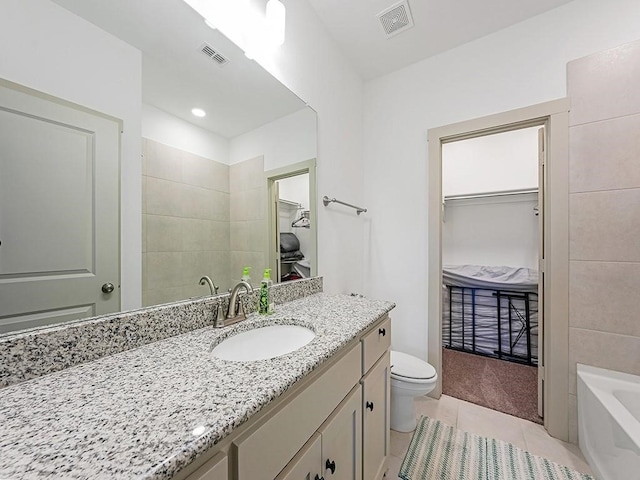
point(136, 414)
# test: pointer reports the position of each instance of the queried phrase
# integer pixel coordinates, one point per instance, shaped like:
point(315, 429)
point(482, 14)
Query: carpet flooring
point(439, 451)
point(496, 384)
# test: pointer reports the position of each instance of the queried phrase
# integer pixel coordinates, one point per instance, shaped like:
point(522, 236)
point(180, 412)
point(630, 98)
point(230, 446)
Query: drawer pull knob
point(330, 466)
point(382, 331)
point(370, 406)
point(318, 477)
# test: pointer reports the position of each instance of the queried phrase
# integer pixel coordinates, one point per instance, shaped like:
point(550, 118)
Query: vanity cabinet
point(334, 452)
point(215, 469)
point(376, 401)
point(332, 425)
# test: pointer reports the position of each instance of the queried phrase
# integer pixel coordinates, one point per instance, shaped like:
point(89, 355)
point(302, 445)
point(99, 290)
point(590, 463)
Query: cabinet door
point(215, 469)
point(375, 419)
point(342, 439)
point(306, 465)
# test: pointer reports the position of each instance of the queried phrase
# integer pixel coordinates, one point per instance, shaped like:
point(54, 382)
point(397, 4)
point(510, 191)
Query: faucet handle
point(240, 310)
point(220, 315)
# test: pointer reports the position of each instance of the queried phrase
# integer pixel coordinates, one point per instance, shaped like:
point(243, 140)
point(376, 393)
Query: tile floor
point(489, 423)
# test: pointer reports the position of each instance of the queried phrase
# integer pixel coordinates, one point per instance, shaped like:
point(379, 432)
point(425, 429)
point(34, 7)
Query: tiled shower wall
point(185, 223)
point(249, 242)
point(604, 217)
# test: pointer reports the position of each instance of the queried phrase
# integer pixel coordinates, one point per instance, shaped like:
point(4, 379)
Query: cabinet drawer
point(264, 452)
point(375, 343)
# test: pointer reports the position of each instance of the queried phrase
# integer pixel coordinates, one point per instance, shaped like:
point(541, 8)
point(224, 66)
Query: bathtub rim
point(612, 380)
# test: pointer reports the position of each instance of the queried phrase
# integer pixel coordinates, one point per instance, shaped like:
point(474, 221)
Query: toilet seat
point(410, 369)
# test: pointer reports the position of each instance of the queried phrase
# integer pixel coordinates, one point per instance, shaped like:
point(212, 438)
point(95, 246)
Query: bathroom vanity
point(170, 410)
point(332, 424)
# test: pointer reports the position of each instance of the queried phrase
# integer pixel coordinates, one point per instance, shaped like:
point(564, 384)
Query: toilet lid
point(408, 366)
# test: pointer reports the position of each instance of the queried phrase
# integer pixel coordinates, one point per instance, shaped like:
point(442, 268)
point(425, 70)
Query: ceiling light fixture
point(198, 112)
point(256, 31)
point(276, 18)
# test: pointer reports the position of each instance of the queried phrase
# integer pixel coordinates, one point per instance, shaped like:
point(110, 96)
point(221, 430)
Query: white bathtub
point(609, 422)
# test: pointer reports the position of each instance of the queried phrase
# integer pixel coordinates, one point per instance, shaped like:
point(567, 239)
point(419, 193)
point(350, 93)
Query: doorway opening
point(553, 271)
point(491, 250)
point(292, 222)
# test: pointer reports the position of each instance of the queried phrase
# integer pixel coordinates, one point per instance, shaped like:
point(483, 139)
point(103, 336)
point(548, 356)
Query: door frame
point(554, 116)
point(272, 176)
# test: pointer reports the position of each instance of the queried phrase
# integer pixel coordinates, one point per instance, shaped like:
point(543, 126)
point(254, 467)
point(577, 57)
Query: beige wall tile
point(604, 296)
point(164, 270)
point(604, 155)
point(220, 236)
point(239, 236)
point(573, 419)
point(220, 207)
point(164, 197)
point(196, 265)
point(162, 295)
point(248, 204)
point(247, 175)
point(197, 202)
point(145, 274)
point(144, 233)
point(163, 161)
point(256, 260)
point(604, 85)
point(605, 226)
point(220, 173)
point(604, 350)
point(196, 235)
point(220, 269)
point(144, 194)
point(164, 234)
point(196, 170)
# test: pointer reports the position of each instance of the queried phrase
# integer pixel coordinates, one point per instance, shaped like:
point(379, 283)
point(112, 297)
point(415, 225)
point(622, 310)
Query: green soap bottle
point(264, 306)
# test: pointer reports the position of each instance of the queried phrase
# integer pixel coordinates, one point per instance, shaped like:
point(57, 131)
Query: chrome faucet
point(236, 311)
point(212, 287)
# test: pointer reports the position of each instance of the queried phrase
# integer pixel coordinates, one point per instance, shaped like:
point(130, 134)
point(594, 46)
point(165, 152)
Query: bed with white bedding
point(491, 311)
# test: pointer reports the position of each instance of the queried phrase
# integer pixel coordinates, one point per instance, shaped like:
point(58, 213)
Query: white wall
point(518, 66)
point(170, 130)
point(312, 65)
point(491, 231)
point(493, 163)
point(288, 140)
point(46, 48)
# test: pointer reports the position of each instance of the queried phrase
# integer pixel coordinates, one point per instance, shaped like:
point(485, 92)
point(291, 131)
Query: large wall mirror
point(206, 209)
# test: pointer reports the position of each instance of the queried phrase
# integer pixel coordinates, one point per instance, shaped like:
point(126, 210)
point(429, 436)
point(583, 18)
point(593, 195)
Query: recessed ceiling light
point(198, 112)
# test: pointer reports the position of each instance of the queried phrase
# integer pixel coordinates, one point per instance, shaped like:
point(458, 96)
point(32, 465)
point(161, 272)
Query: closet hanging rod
point(501, 193)
point(326, 200)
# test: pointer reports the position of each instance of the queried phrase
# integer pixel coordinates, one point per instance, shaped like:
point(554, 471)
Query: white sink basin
point(263, 343)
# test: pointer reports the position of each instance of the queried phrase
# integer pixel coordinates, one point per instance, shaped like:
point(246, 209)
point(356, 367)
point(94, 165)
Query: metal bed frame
point(518, 307)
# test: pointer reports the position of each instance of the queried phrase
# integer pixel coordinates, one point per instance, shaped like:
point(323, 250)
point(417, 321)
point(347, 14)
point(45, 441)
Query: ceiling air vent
point(396, 18)
point(213, 54)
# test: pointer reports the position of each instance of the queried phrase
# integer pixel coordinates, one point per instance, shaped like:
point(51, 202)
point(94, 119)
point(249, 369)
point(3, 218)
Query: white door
point(59, 210)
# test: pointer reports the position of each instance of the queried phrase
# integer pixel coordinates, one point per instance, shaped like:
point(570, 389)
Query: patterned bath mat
point(440, 452)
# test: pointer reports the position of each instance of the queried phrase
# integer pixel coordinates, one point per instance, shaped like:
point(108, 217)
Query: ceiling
point(241, 95)
point(439, 25)
point(238, 97)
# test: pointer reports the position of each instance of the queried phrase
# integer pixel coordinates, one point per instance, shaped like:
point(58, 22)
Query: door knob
point(108, 288)
point(369, 405)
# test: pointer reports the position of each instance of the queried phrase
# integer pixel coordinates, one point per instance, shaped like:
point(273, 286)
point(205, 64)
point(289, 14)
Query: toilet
point(410, 378)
